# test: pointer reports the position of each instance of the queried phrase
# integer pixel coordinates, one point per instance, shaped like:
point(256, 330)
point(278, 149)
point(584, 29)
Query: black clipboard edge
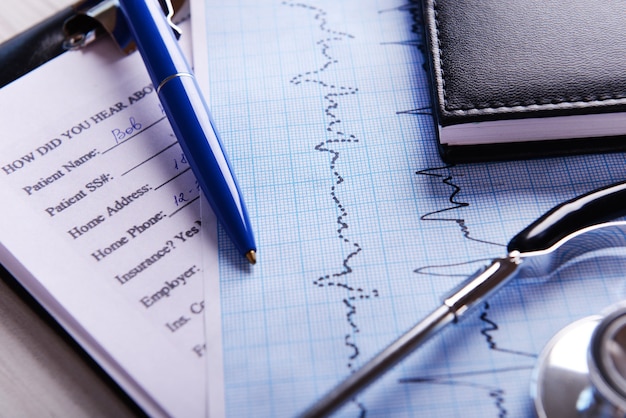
point(45, 316)
point(33, 47)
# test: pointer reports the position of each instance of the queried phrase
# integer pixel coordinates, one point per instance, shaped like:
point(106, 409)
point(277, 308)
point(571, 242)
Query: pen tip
point(251, 256)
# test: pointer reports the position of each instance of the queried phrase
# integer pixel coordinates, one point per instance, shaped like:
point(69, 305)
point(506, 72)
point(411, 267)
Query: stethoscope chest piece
point(582, 370)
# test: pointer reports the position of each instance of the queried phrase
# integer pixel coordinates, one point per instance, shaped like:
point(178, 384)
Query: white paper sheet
point(101, 222)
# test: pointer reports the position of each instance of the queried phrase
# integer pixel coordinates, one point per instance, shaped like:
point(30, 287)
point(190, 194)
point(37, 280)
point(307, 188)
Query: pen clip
point(96, 17)
point(169, 10)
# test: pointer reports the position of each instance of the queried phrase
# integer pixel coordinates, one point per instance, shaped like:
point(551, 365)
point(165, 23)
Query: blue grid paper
point(323, 108)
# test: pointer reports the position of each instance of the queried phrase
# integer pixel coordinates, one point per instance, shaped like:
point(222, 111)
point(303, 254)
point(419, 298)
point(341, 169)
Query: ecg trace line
point(496, 393)
point(487, 332)
point(424, 111)
point(456, 204)
point(335, 137)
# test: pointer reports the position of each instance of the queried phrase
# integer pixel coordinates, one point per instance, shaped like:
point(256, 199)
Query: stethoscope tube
point(596, 207)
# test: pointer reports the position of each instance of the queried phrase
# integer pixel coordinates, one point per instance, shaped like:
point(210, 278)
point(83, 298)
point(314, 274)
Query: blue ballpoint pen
point(189, 116)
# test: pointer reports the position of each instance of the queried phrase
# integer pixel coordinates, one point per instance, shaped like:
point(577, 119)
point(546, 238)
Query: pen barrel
point(155, 39)
point(189, 116)
point(190, 119)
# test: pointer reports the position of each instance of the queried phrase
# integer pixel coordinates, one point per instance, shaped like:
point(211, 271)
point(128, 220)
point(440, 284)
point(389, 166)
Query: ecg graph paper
point(323, 107)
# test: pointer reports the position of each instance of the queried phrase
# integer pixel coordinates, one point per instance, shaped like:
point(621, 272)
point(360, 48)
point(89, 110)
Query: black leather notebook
point(527, 78)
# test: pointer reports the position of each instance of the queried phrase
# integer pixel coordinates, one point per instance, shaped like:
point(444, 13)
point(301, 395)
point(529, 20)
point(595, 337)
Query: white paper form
point(101, 222)
point(323, 107)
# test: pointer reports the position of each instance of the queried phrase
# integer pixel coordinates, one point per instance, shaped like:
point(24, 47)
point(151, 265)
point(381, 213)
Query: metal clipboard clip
point(96, 17)
point(73, 27)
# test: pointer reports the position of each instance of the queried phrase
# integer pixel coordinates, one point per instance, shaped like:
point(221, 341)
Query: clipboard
point(70, 28)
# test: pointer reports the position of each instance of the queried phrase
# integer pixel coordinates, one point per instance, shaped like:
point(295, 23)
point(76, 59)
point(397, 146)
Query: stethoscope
point(582, 370)
point(567, 231)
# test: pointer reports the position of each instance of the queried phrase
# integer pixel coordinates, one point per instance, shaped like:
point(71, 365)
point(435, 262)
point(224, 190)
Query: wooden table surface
point(40, 374)
point(17, 15)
